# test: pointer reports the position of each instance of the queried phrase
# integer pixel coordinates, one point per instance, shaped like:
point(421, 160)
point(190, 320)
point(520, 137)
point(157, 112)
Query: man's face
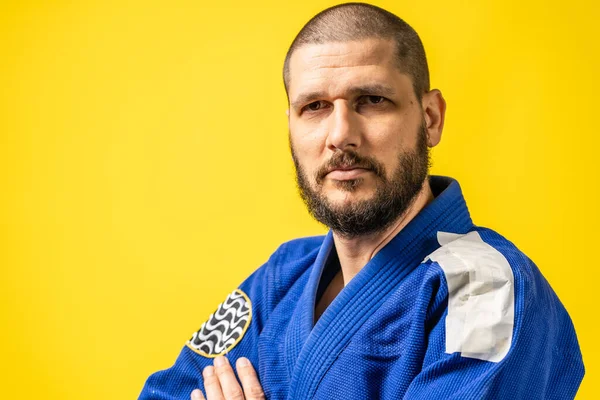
point(357, 134)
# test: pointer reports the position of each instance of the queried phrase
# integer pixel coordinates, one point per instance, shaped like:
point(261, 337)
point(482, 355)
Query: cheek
point(308, 147)
point(309, 134)
point(397, 132)
point(387, 141)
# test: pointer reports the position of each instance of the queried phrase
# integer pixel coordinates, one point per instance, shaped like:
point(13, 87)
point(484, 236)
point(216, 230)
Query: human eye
point(371, 99)
point(314, 106)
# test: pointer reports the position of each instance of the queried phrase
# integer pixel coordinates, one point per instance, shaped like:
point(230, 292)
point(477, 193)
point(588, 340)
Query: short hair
point(357, 21)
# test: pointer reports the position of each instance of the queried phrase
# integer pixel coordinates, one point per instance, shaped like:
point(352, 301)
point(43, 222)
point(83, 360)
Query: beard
point(392, 196)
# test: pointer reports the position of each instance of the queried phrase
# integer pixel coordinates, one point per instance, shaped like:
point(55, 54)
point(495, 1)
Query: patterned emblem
point(224, 328)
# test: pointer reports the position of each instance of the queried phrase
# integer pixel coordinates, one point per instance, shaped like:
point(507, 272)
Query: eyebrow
point(373, 90)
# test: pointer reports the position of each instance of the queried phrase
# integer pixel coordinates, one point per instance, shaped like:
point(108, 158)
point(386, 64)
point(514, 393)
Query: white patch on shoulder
point(481, 302)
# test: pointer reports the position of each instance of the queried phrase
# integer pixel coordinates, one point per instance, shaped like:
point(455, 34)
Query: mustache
point(349, 159)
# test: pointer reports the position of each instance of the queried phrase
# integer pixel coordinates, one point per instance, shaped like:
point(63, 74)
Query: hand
point(220, 382)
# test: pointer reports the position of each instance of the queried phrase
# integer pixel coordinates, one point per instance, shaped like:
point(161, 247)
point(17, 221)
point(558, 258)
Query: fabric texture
point(446, 310)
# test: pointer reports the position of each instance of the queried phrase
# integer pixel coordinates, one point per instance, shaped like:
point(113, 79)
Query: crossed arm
point(220, 382)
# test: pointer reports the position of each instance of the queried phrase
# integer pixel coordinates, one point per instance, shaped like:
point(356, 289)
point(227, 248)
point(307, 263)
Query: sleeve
point(233, 328)
point(472, 353)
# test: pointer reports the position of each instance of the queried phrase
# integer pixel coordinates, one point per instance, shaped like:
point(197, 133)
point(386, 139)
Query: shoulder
point(494, 323)
point(499, 297)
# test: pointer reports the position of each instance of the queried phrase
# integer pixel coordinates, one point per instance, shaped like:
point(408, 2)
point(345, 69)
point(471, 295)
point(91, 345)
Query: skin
point(220, 382)
point(346, 95)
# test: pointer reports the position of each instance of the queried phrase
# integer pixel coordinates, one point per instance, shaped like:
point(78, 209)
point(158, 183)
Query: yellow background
point(144, 168)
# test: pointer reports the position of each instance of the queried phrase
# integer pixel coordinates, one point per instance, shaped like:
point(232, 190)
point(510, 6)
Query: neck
point(354, 253)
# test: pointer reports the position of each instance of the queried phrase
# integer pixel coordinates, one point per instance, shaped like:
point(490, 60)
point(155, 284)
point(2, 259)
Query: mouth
point(342, 174)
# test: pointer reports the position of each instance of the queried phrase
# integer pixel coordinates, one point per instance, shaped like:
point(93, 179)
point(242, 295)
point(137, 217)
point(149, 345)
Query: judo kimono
point(445, 310)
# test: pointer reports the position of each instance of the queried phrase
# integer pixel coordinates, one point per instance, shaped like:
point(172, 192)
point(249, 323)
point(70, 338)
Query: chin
point(348, 193)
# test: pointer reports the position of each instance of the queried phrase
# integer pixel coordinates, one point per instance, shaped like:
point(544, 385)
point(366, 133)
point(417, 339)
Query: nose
point(344, 130)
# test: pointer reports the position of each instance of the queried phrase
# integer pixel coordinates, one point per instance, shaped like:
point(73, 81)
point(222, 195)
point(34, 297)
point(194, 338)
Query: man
point(404, 297)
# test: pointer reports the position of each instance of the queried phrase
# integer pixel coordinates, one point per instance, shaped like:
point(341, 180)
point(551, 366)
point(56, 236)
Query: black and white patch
point(225, 327)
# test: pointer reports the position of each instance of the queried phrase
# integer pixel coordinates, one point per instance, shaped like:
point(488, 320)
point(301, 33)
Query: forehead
point(334, 66)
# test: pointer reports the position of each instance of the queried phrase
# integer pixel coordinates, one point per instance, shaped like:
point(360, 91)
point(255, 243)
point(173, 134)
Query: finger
point(197, 395)
point(229, 383)
point(252, 388)
point(211, 384)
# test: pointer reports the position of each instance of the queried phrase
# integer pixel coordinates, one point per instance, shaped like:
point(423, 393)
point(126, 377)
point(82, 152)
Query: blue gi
point(446, 310)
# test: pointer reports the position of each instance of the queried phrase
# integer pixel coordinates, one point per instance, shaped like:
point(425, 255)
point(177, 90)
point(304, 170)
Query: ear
point(434, 110)
point(287, 112)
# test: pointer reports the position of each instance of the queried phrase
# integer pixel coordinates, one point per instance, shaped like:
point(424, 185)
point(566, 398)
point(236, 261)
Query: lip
point(343, 174)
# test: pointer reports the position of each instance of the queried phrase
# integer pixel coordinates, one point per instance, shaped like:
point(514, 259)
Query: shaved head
point(358, 21)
